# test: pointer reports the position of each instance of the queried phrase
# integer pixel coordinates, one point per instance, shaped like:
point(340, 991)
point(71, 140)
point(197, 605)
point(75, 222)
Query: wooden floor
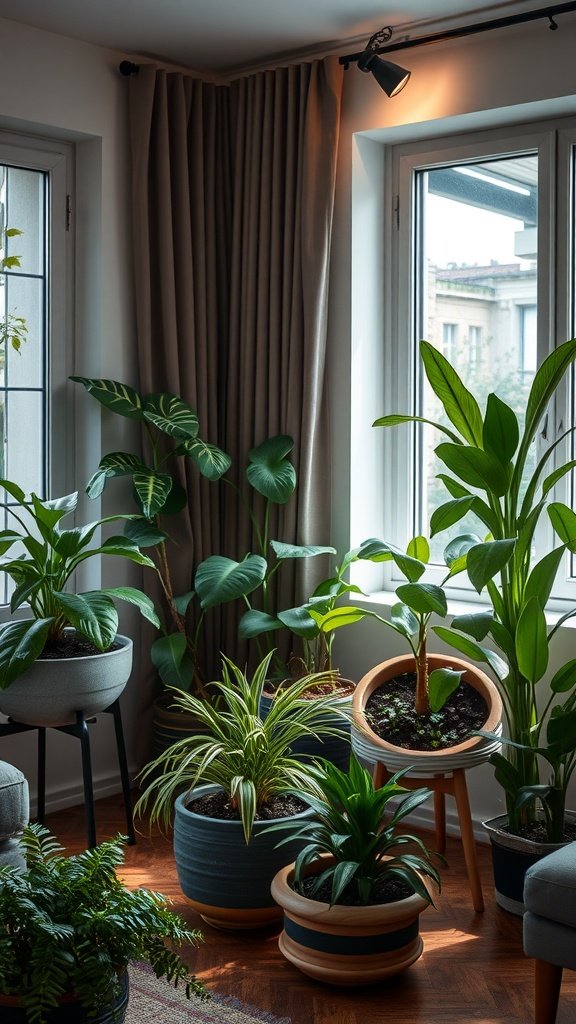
point(472, 969)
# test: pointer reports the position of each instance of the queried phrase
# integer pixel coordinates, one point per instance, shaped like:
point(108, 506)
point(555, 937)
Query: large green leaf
point(254, 623)
point(344, 615)
point(144, 533)
point(152, 490)
point(545, 382)
point(454, 487)
point(93, 614)
point(557, 475)
point(374, 550)
point(270, 472)
point(532, 641)
point(475, 467)
point(404, 619)
point(211, 460)
point(561, 731)
point(484, 561)
point(219, 579)
point(49, 513)
point(419, 548)
point(14, 491)
point(112, 465)
point(7, 539)
point(301, 621)
point(442, 683)
point(542, 576)
point(563, 520)
point(283, 551)
point(451, 512)
point(171, 414)
point(423, 598)
point(396, 418)
point(141, 601)
point(122, 547)
point(458, 548)
point(472, 650)
point(21, 643)
point(174, 664)
point(114, 395)
point(476, 625)
point(459, 404)
point(565, 678)
point(501, 432)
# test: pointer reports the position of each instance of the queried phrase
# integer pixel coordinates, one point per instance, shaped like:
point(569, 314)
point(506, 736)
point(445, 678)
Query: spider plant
point(247, 755)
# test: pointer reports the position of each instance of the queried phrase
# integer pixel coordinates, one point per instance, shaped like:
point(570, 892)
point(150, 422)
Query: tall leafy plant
point(171, 431)
point(486, 456)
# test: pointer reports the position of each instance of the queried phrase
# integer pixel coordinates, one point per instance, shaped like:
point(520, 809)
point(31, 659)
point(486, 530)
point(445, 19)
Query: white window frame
point(56, 159)
point(394, 520)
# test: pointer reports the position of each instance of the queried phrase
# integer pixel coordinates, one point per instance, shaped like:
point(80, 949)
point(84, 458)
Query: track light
point(390, 77)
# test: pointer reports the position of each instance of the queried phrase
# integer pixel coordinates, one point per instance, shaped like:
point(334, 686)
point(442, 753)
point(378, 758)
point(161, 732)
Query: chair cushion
point(547, 940)
point(14, 805)
point(550, 886)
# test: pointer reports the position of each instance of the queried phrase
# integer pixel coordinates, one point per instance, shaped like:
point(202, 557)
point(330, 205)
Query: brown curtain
point(233, 192)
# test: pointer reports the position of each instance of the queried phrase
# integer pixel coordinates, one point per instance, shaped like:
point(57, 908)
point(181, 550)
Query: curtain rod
point(455, 33)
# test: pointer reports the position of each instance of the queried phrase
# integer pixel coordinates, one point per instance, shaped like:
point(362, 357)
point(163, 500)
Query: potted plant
point(69, 929)
point(489, 474)
point(422, 709)
point(225, 864)
point(353, 897)
point(66, 654)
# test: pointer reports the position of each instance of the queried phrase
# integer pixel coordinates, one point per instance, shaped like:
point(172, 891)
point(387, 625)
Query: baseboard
point(424, 818)
point(60, 797)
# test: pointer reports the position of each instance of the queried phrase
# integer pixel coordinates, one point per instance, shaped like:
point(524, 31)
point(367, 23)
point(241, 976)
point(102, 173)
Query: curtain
point(233, 193)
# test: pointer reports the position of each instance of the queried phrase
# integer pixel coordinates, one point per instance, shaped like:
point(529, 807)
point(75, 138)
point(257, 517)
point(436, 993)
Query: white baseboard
point(60, 797)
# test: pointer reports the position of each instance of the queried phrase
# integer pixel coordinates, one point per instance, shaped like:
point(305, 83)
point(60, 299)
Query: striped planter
point(227, 880)
point(347, 945)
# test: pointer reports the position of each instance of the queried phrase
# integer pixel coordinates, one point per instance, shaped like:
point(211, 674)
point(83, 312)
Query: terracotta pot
point(347, 945)
point(52, 690)
point(371, 748)
point(511, 857)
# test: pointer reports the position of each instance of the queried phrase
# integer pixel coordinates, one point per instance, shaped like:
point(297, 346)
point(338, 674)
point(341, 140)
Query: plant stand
point(453, 783)
point(80, 731)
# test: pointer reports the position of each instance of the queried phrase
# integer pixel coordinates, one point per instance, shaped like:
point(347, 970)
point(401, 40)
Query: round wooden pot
point(347, 945)
point(371, 748)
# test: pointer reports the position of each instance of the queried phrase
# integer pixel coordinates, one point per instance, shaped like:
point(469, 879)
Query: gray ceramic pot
point(52, 690)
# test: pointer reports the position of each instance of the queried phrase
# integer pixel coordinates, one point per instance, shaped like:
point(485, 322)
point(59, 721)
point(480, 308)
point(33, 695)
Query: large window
point(481, 249)
point(35, 188)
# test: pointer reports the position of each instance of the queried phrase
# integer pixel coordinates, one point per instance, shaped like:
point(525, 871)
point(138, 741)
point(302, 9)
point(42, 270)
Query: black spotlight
point(390, 77)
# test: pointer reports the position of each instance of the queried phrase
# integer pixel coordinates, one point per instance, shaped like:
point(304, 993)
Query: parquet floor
point(472, 970)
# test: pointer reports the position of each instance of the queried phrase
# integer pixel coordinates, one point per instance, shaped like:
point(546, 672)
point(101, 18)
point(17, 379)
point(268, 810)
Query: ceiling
point(222, 35)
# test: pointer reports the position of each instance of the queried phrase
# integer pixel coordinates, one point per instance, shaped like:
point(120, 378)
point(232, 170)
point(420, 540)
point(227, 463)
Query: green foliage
point(353, 823)
point(68, 924)
point(46, 558)
point(171, 432)
point(492, 473)
point(247, 755)
point(13, 328)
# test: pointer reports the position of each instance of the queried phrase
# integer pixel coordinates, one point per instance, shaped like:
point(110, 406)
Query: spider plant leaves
point(270, 472)
point(219, 579)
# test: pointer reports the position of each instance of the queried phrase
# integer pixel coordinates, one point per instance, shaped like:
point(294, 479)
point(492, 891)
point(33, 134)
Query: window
point(480, 264)
point(35, 179)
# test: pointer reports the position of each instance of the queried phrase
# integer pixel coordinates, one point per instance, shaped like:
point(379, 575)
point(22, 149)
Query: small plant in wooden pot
point(353, 897)
point(69, 929)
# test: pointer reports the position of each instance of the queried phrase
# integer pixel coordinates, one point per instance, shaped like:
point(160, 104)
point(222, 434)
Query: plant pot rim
point(124, 641)
point(376, 676)
point(181, 805)
point(372, 914)
point(498, 833)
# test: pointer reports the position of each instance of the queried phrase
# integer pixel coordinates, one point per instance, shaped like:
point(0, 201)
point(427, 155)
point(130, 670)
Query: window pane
point(476, 280)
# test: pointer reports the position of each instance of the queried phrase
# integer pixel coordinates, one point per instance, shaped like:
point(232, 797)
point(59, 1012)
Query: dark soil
point(390, 713)
point(70, 645)
point(535, 831)
point(388, 890)
point(217, 805)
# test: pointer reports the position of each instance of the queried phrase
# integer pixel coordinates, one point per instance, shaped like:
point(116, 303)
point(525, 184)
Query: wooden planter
point(347, 945)
point(371, 748)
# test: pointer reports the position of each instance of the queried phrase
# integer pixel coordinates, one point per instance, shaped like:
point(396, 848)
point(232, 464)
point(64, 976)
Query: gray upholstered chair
point(550, 926)
point(14, 811)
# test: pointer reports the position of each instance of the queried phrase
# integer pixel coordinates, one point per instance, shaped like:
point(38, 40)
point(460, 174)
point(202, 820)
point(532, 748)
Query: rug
point(154, 1001)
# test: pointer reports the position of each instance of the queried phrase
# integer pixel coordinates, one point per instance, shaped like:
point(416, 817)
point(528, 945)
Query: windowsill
point(385, 599)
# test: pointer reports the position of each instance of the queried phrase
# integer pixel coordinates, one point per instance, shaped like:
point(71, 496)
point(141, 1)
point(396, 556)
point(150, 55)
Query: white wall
point(502, 77)
point(58, 87)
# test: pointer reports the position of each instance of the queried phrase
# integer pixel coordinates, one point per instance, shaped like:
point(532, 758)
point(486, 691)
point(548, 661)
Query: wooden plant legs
point(452, 784)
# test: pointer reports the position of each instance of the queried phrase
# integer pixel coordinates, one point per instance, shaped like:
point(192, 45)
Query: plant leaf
point(459, 404)
point(211, 460)
point(423, 598)
point(451, 512)
point(475, 467)
point(171, 414)
point(532, 641)
point(563, 520)
point(115, 396)
point(270, 472)
point(442, 683)
point(501, 433)
point(174, 664)
point(21, 643)
point(484, 561)
point(219, 579)
point(283, 551)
